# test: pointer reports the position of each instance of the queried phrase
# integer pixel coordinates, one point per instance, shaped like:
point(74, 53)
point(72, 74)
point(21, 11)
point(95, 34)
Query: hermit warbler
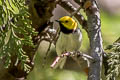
point(69, 39)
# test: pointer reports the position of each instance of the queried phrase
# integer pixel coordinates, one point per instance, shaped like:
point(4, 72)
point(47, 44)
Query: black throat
point(65, 30)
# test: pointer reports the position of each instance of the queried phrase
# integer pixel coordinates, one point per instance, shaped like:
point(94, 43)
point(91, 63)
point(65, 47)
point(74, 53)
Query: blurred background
point(110, 25)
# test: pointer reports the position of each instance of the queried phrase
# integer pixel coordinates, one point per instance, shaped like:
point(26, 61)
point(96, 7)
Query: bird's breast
point(68, 42)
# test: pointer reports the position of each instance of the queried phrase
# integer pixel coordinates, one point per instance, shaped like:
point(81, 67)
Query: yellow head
point(68, 22)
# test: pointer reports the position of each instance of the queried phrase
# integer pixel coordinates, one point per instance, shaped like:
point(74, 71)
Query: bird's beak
point(57, 20)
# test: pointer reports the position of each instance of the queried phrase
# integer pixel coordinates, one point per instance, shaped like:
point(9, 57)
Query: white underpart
point(68, 42)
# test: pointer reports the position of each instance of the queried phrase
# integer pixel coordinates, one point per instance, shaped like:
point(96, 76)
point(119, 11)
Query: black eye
point(66, 21)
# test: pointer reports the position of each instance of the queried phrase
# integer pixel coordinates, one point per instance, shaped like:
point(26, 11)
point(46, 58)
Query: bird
point(69, 39)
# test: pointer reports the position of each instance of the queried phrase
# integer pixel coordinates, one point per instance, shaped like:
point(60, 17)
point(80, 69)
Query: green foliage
point(15, 31)
point(113, 60)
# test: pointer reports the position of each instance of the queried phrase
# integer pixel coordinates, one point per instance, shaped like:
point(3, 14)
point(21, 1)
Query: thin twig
point(45, 57)
point(70, 8)
point(75, 12)
point(59, 58)
point(76, 54)
point(54, 37)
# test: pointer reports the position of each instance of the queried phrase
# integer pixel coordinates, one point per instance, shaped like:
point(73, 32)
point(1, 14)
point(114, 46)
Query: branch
point(70, 8)
point(92, 27)
point(53, 35)
point(94, 34)
point(75, 54)
point(75, 12)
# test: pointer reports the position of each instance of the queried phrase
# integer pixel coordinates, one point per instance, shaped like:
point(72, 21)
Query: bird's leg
point(76, 58)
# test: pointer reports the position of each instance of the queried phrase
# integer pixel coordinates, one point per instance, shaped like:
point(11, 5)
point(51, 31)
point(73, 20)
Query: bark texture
point(41, 12)
point(94, 34)
point(93, 27)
